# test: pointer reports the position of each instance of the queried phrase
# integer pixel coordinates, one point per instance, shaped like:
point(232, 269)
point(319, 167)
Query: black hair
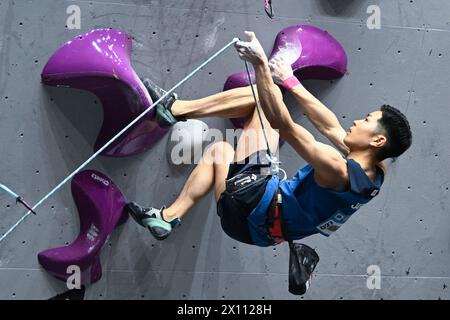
point(396, 127)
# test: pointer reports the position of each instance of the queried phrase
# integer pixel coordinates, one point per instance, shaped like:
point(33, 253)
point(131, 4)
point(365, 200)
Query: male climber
point(318, 199)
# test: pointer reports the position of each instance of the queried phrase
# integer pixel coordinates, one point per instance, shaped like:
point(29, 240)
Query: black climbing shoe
point(154, 90)
point(164, 116)
point(152, 219)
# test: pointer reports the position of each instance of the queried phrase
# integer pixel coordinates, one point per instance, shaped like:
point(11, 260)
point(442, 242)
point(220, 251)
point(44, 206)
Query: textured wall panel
point(45, 133)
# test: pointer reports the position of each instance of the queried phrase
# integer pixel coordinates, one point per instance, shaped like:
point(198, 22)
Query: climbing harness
point(18, 198)
point(268, 8)
point(31, 210)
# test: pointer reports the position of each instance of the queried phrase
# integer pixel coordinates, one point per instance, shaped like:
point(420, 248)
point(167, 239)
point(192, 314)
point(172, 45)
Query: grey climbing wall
point(47, 132)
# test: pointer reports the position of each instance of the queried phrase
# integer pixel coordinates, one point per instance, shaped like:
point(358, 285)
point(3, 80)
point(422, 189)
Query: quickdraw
point(268, 8)
point(18, 198)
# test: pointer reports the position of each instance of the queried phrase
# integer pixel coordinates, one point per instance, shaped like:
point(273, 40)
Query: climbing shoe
point(152, 219)
point(164, 116)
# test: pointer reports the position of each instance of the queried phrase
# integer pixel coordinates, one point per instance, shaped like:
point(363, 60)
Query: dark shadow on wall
point(75, 118)
point(75, 294)
point(342, 8)
point(81, 108)
point(319, 88)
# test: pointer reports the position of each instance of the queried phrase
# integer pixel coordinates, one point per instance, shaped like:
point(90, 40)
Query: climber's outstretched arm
point(326, 160)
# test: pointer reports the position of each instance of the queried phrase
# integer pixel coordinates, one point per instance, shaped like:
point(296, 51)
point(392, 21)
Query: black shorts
point(233, 207)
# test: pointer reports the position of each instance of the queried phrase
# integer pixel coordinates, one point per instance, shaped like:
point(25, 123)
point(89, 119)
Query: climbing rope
point(273, 160)
point(114, 138)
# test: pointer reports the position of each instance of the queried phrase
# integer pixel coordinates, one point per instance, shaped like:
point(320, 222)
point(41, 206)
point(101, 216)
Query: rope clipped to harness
point(268, 8)
point(275, 168)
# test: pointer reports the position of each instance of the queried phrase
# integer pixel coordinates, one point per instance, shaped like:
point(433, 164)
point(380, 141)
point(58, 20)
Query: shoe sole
point(135, 218)
point(156, 236)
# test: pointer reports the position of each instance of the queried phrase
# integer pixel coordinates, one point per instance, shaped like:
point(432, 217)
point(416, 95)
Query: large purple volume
point(313, 54)
point(99, 61)
point(100, 206)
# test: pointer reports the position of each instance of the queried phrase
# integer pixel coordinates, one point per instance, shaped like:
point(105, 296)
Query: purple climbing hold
point(100, 206)
point(99, 61)
point(312, 52)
